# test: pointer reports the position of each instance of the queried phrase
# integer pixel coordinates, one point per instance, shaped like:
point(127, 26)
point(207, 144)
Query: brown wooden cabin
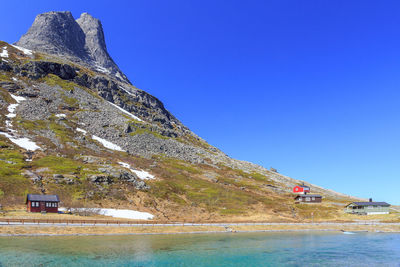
point(308, 198)
point(42, 203)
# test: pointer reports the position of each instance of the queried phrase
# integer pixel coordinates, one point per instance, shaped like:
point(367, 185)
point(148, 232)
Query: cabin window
point(47, 204)
point(34, 204)
point(307, 198)
point(313, 198)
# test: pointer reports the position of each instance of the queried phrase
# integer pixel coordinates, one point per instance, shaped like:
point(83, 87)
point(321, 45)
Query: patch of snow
point(140, 173)
point(125, 165)
point(127, 214)
point(126, 91)
point(143, 175)
point(19, 99)
point(118, 75)
point(102, 69)
point(118, 213)
point(9, 125)
point(11, 108)
point(126, 112)
point(23, 142)
point(26, 51)
point(4, 53)
point(14, 79)
point(81, 130)
point(107, 144)
point(61, 115)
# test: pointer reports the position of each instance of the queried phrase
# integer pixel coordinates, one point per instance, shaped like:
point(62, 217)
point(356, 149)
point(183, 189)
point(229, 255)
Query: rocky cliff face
point(81, 40)
point(67, 127)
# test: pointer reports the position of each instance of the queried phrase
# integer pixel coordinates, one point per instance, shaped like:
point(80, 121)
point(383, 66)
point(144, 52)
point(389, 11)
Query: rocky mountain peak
point(81, 40)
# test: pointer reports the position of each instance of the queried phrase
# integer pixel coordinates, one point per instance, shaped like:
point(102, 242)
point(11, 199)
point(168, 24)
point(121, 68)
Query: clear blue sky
point(310, 88)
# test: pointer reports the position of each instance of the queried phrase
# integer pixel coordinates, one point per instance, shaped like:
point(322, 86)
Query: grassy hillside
point(197, 183)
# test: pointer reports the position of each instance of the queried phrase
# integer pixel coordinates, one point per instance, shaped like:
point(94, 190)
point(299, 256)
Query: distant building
point(301, 189)
point(42, 203)
point(368, 208)
point(308, 198)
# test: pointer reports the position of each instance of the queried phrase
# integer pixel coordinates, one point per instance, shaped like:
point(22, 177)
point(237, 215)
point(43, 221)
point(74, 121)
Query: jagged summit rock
point(81, 40)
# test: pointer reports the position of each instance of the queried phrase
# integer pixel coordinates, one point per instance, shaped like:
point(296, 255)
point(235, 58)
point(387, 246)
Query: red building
point(301, 189)
point(42, 203)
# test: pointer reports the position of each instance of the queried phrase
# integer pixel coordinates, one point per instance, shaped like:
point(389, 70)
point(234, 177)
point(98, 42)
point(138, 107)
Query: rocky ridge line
point(81, 40)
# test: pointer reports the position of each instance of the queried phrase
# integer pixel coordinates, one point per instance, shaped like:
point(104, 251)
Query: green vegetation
point(4, 77)
point(61, 132)
point(3, 144)
point(71, 102)
point(191, 140)
point(64, 165)
point(253, 176)
point(182, 186)
point(59, 164)
point(316, 211)
point(141, 130)
point(54, 80)
point(231, 211)
point(32, 125)
point(174, 165)
point(12, 182)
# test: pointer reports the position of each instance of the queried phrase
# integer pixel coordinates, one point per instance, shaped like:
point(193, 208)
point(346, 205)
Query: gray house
point(367, 208)
point(308, 198)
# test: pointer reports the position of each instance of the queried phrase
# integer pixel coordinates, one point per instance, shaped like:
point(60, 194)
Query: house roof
point(309, 195)
point(371, 204)
point(303, 186)
point(52, 198)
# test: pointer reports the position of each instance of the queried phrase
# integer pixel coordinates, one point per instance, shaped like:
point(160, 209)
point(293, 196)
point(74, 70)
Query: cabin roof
point(370, 204)
point(303, 186)
point(309, 195)
point(33, 197)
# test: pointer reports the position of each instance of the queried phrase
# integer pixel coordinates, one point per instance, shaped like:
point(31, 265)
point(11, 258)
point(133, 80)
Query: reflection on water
point(253, 249)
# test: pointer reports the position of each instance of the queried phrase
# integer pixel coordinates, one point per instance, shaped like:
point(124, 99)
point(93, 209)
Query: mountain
point(72, 124)
point(81, 40)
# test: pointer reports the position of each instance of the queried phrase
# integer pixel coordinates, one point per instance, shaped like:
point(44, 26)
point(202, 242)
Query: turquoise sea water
point(239, 249)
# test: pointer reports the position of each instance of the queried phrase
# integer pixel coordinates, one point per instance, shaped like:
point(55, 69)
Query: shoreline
point(181, 233)
point(37, 231)
point(190, 233)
